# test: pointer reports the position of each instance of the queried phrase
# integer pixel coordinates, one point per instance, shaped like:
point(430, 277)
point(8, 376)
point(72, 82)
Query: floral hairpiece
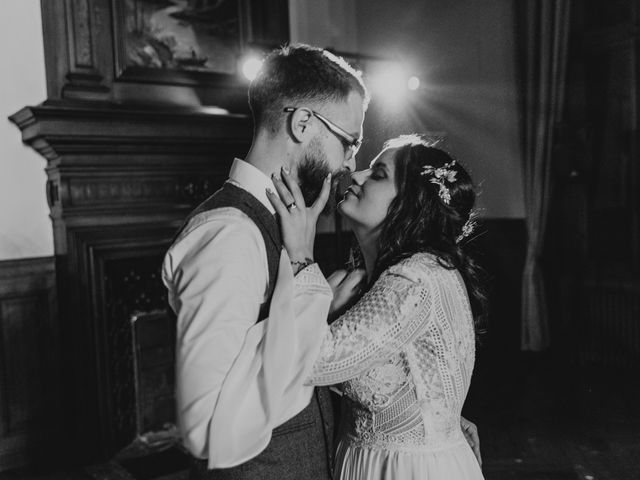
point(467, 229)
point(439, 176)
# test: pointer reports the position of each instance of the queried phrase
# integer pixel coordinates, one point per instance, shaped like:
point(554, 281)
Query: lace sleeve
point(385, 318)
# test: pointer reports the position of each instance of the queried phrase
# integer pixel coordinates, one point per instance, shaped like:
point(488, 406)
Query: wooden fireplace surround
point(120, 182)
point(129, 153)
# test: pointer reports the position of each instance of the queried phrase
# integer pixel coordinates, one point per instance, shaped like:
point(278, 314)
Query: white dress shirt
point(236, 379)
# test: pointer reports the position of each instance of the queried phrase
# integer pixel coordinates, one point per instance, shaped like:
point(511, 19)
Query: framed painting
point(192, 42)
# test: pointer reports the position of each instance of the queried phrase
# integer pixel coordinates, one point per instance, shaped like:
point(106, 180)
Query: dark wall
point(464, 53)
point(501, 250)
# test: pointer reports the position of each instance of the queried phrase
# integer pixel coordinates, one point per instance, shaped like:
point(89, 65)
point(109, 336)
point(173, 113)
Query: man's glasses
point(348, 140)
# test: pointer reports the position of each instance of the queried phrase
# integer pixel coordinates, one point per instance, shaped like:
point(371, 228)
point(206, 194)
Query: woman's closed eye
point(378, 174)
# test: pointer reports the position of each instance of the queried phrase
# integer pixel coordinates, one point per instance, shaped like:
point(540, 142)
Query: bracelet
point(297, 266)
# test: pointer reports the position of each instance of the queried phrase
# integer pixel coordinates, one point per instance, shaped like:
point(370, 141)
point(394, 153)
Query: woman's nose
point(359, 177)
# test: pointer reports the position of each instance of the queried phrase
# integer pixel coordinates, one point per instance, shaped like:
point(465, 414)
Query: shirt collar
point(254, 181)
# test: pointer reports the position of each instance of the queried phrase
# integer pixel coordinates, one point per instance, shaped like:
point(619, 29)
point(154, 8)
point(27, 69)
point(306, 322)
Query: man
point(226, 272)
point(308, 108)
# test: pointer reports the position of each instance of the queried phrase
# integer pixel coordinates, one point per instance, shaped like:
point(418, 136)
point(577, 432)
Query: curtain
point(543, 34)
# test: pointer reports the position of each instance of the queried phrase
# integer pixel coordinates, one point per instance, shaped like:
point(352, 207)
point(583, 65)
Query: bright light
point(413, 83)
point(250, 67)
point(390, 82)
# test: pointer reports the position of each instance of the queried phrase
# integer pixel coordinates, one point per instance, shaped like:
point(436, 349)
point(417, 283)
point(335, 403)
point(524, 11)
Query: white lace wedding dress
point(403, 356)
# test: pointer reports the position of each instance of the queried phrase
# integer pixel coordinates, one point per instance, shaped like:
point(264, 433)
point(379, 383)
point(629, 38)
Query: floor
point(539, 419)
point(542, 419)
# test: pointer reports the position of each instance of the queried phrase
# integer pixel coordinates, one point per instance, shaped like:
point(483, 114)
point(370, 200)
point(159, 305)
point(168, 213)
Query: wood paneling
point(29, 361)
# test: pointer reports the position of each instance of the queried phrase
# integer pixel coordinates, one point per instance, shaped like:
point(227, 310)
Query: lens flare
point(250, 67)
point(391, 83)
point(413, 83)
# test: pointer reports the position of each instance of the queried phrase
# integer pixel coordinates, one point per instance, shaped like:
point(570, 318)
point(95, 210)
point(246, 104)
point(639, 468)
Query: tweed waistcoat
point(231, 196)
point(301, 448)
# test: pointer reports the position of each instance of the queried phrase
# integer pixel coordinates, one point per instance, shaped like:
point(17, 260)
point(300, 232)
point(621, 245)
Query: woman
point(404, 353)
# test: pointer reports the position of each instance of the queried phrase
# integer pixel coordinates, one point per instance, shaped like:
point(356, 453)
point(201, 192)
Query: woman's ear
point(299, 124)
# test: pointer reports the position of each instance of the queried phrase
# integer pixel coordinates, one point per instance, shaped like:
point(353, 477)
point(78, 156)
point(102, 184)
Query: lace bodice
point(404, 355)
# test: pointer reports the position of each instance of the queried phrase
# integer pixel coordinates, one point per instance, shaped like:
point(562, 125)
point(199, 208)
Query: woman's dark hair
point(420, 220)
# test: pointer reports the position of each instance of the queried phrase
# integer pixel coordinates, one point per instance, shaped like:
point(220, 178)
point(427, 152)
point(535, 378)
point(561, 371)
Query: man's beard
point(312, 170)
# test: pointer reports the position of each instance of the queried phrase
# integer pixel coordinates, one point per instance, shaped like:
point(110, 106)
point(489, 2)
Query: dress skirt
point(453, 462)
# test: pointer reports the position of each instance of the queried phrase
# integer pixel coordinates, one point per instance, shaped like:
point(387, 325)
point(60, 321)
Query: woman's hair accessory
point(439, 176)
point(467, 229)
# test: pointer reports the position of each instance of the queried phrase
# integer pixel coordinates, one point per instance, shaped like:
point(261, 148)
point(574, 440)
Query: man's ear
point(299, 124)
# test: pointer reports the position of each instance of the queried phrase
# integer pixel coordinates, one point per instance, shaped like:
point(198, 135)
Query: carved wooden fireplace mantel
point(112, 165)
point(135, 134)
point(120, 182)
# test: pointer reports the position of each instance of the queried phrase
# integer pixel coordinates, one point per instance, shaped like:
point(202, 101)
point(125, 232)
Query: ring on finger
point(291, 206)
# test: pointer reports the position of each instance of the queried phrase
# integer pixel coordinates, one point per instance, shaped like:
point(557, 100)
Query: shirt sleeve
point(389, 315)
point(216, 281)
point(237, 379)
point(265, 386)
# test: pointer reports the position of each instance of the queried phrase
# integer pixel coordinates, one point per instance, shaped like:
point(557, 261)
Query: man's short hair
point(299, 75)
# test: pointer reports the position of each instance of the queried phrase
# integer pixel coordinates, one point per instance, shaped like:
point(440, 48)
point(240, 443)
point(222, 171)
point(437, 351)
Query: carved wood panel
point(86, 53)
point(29, 362)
